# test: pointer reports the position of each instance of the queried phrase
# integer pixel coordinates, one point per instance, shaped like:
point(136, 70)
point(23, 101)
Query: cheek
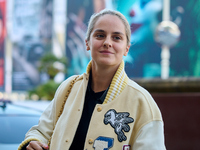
point(94, 48)
point(120, 48)
point(95, 44)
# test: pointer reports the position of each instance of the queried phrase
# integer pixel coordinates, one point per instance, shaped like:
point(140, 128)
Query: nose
point(107, 43)
point(132, 13)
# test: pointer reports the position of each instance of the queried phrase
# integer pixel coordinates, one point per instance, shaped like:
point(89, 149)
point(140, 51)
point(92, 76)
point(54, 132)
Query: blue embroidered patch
point(119, 121)
point(103, 143)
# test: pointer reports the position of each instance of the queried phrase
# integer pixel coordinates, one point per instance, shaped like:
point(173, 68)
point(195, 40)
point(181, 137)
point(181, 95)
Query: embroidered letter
point(103, 143)
point(119, 121)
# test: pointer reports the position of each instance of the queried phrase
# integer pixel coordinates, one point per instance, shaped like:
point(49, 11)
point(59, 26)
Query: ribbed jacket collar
point(118, 82)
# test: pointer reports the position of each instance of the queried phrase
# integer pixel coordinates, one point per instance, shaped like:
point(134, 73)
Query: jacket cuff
point(23, 145)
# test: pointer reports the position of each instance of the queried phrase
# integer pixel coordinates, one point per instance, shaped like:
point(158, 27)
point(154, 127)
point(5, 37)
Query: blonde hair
point(96, 16)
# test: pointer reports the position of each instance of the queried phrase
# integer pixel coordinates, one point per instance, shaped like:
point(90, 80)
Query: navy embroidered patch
point(119, 121)
point(103, 143)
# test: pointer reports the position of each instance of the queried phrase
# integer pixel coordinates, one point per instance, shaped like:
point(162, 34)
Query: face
point(108, 43)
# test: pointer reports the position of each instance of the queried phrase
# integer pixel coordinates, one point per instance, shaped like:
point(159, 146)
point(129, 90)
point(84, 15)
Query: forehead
point(110, 22)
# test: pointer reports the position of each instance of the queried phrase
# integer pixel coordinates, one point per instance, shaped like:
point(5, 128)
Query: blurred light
point(167, 34)
point(1, 95)
point(59, 77)
point(34, 97)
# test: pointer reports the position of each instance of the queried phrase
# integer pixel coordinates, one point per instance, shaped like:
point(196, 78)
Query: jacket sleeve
point(43, 131)
point(151, 137)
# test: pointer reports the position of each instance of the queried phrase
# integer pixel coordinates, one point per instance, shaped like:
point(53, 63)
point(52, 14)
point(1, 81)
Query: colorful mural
point(143, 21)
point(144, 57)
point(78, 13)
point(185, 56)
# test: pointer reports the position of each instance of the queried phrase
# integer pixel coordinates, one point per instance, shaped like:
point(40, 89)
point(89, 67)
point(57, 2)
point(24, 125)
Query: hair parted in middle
point(96, 16)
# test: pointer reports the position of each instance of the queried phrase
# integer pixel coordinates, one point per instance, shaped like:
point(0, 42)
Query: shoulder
point(144, 100)
point(65, 86)
point(137, 89)
point(66, 83)
point(135, 86)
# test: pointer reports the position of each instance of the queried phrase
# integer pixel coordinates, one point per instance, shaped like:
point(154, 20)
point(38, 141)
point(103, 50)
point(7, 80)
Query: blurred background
point(42, 43)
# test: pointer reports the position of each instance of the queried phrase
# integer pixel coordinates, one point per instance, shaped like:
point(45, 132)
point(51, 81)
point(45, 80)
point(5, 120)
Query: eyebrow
point(99, 30)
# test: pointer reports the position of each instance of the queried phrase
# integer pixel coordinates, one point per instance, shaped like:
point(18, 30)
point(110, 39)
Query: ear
point(127, 50)
point(87, 45)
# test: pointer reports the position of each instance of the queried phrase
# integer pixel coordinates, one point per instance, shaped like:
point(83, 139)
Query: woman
point(104, 108)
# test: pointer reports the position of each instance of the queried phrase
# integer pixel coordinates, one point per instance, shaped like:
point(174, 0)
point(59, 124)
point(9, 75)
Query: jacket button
point(90, 141)
point(67, 141)
point(99, 109)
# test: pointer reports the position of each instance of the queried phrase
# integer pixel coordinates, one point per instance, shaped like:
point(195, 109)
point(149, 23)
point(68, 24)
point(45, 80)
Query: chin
point(110, 63)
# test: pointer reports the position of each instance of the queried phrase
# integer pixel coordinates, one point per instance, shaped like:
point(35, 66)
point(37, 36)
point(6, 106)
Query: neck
point(102, 77)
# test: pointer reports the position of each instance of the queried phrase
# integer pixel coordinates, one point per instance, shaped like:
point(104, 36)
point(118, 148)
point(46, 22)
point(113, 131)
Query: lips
point(134, 27)
point(105, 52)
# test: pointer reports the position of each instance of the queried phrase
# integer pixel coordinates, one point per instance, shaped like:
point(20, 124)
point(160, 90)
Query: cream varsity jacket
point(129, 118)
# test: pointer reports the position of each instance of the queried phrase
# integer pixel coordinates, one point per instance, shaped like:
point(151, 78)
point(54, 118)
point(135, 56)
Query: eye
point(99, 35)
point(116, 37)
